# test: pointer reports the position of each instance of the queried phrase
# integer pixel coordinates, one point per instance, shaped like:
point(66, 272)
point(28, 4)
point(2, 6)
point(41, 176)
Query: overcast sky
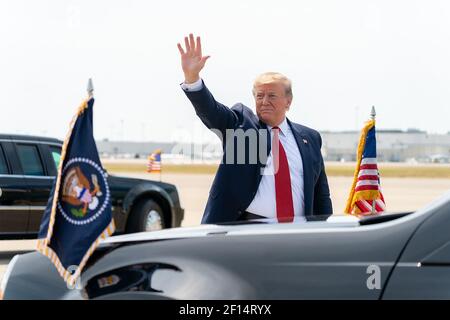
point(343, 56)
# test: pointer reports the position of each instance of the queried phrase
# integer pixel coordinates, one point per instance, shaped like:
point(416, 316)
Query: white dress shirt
point(264, 202)
point(195, 86)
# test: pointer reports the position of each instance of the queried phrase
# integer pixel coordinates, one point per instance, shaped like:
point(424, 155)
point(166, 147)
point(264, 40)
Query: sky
point(343, 56)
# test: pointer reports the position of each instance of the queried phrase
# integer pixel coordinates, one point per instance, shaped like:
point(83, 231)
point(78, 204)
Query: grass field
point(398, 170)
point(395, 171)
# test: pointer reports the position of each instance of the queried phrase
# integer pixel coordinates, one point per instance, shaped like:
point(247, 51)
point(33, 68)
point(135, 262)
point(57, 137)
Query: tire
point(146, 215)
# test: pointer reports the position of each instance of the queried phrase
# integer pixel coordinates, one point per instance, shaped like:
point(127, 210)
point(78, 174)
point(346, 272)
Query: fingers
point(203, 60)
point(186, 43)
point(180, 48)
point(199, 47)
point(192, 42)
point(193, 46)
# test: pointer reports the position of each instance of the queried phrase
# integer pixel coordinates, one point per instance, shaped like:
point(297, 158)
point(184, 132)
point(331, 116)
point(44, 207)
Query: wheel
point(147, 215)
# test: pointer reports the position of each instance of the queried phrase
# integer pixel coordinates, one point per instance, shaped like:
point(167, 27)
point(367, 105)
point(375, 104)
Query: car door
point(327, 263)
point(39, 181)
point(423, 270)
point(41, 186)
point(14, 192)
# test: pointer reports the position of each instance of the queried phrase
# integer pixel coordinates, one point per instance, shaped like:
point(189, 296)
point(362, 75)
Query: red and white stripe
point(366, 207)
point(368, 175)
point(368, 179)
point(154, 166)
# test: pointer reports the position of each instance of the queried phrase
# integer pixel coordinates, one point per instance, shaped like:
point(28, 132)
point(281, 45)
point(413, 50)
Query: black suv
point(28, 166)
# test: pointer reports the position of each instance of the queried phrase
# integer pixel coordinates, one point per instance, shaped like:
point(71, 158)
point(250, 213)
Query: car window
point(56, 155)
point(30, 160)
point(3, 166)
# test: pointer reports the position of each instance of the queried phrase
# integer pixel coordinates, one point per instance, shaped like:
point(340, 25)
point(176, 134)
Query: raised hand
point(192, 60)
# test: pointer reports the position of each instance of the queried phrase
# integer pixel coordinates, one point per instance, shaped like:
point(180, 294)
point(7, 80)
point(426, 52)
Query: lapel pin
point(305, 141)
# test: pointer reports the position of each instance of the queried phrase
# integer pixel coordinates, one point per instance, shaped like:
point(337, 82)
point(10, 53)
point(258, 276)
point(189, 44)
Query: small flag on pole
point(365, 196)
point(78, 213)
point(154, 161)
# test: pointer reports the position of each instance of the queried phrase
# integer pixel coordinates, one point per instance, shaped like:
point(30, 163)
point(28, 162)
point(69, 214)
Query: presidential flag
point(365, 194)
point(154, 161)
point(78, 213)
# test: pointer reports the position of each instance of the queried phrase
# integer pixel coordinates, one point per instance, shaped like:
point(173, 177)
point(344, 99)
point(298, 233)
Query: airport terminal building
point(392, 146)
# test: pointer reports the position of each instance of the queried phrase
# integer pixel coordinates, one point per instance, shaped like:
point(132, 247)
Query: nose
point(265, 99)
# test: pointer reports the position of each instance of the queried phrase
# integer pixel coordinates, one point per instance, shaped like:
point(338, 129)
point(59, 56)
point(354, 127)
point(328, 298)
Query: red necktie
point(283, 191)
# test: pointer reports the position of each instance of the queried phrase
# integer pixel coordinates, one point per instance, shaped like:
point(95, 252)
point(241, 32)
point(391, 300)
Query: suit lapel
point(264, 133)
point(303, 146)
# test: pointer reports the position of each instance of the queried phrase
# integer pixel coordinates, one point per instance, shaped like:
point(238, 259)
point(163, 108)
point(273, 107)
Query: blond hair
point(271, 77)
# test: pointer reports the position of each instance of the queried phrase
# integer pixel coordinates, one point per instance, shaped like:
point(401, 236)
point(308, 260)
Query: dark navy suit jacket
point(235, 184)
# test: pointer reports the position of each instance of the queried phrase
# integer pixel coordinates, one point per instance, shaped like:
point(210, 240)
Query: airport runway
point(401, 194)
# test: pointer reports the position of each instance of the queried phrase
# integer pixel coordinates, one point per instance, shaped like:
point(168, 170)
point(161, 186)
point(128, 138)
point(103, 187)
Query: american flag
point(154, 161)
point(365, 195)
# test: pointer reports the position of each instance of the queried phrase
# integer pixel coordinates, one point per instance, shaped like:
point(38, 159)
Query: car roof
point(29, 138)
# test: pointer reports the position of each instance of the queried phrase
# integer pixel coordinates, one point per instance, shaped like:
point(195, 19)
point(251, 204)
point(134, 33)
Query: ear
point(288, 104)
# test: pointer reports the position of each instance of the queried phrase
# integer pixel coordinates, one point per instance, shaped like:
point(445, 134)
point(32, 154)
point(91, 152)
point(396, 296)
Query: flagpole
point(90, 89)
point(372, 117)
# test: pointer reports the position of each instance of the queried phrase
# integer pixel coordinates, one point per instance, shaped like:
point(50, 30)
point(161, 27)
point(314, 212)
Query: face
point(271, 103)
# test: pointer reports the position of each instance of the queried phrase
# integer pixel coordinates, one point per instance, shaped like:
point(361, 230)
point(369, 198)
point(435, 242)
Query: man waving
point(287, 180)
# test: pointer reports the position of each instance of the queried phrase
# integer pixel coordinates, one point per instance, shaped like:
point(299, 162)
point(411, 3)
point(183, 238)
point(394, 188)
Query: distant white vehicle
point(440, 158)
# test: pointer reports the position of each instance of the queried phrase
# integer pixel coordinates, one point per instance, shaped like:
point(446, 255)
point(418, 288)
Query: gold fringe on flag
point(362, 142)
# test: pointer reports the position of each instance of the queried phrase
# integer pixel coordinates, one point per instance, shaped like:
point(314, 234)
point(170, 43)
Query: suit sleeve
point(213, 114)
point(322, 200)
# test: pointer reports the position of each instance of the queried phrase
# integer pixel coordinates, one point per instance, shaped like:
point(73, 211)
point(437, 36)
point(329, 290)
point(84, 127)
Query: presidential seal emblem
point(84, 191)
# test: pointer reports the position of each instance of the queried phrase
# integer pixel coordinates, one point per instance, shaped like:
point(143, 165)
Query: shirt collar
point(284, 127)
